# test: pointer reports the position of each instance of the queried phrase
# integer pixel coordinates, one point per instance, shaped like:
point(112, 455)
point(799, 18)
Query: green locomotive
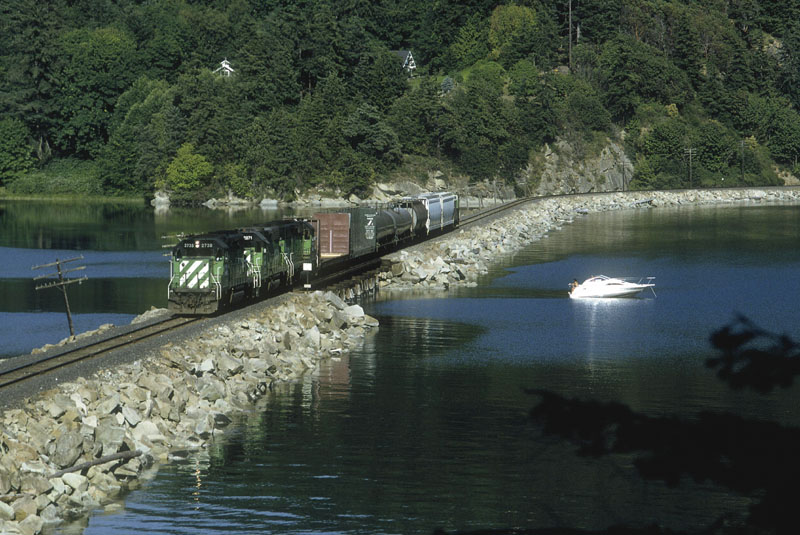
point(214, 270)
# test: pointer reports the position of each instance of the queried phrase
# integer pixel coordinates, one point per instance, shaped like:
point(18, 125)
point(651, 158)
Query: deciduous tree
point(188, 171)
point(512, 29)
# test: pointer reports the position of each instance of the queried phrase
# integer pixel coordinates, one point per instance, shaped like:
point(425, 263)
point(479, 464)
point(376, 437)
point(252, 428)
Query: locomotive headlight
point(307, 266)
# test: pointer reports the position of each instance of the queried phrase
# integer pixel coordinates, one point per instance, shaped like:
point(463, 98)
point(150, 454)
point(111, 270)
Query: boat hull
point(588, 294)
point(602, 287)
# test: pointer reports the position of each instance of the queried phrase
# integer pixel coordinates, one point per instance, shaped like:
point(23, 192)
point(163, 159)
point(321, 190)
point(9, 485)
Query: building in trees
point(408, 61)
point(225, 68)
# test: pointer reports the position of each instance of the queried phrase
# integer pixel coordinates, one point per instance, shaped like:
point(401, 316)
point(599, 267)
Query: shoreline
point(461, 257)
point(181, 395)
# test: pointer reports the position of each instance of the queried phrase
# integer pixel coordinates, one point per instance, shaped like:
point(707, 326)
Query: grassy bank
point(62, 180)
point(5, 195)
point(60, 177)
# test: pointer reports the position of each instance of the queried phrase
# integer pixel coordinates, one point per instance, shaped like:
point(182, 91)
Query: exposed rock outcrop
point(562, 170)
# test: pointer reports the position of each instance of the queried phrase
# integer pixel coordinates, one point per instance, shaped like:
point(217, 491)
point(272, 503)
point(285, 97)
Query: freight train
point(214, 270)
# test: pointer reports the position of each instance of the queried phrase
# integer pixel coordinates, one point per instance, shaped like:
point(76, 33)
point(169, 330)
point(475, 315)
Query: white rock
point(131, 416)
point(147, 430)
point(76, 481)
point(353, 311)
point(6, 511)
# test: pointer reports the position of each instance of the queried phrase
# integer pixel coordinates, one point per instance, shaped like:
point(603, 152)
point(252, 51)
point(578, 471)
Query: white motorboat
point(602, 286)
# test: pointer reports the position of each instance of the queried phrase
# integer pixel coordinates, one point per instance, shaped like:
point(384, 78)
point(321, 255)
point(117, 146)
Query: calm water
point(121, 245)
point(425, 427)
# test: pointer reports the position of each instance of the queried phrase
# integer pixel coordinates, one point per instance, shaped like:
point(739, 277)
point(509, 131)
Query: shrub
point(60, 177)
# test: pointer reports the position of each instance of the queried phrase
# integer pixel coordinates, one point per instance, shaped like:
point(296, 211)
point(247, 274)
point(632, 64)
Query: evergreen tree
point(631, 72)
point(317, 140)
point(98, 67)
point(789, 72)
point(369, 135)
point(268, 153)
point(597, 20)
point(15, 149)
point(415, 117)
point(475, 128)
point(379, 78)
point(472, 42)
point(146, 132)
point(30, 67)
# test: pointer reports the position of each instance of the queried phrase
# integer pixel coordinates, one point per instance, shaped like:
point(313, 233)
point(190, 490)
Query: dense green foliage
point(318, 96)
point(15, 158)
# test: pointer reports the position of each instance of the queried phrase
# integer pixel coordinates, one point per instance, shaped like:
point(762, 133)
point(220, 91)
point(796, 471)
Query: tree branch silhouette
point(755, 358)
point(753, 457)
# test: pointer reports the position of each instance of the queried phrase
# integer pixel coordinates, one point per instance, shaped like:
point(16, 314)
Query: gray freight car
point(442, 211)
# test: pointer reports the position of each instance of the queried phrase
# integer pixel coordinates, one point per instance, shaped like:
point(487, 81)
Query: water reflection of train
point(213, 270)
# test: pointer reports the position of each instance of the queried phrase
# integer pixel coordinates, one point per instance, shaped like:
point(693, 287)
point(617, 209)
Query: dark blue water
point(425, 426)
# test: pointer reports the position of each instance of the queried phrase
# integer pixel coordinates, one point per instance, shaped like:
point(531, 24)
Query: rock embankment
point(80, 446)
point(461, 257)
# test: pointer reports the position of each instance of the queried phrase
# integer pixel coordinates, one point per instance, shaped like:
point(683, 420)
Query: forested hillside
point(131, 96)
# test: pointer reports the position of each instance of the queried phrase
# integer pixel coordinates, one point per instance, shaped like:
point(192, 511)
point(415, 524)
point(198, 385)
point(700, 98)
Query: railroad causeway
point(83, 443)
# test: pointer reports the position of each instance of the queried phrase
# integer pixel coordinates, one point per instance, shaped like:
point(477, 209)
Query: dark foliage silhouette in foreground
point(755, 358)
point(756, 458)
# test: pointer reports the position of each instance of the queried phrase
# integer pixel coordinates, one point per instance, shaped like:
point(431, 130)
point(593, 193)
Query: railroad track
point(495, 210)
point(17, 370)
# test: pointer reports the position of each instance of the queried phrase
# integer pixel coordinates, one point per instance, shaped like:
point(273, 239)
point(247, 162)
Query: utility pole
point(570, 36)
point(741, 155)
point(690, 152)
point(61, 283)
point(623, 173)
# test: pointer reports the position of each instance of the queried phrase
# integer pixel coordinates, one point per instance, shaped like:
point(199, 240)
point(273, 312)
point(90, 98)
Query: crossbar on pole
point(57, 262)
point(60, 283)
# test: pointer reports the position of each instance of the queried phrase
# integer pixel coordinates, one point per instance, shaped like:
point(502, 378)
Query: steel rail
point(498, 209)
point(49, 363)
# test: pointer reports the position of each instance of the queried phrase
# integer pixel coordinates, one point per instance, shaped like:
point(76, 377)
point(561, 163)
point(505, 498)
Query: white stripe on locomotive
point(194, 274)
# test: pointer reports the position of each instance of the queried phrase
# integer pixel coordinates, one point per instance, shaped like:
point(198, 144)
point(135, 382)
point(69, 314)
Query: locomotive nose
point(194, 274)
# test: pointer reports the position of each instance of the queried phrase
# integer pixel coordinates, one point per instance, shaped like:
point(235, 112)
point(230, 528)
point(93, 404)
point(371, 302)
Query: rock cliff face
point(562, 169)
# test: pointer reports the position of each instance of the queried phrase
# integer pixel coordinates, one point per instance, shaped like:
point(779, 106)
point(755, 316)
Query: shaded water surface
point(425, 425)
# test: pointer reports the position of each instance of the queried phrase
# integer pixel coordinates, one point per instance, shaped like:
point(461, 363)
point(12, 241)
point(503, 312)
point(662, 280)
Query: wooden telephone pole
point(61, 283)
point(570, 36)
point(690, 152)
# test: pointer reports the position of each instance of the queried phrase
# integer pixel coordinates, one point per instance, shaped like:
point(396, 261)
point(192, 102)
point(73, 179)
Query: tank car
point(418, 212)
point(391, 227)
